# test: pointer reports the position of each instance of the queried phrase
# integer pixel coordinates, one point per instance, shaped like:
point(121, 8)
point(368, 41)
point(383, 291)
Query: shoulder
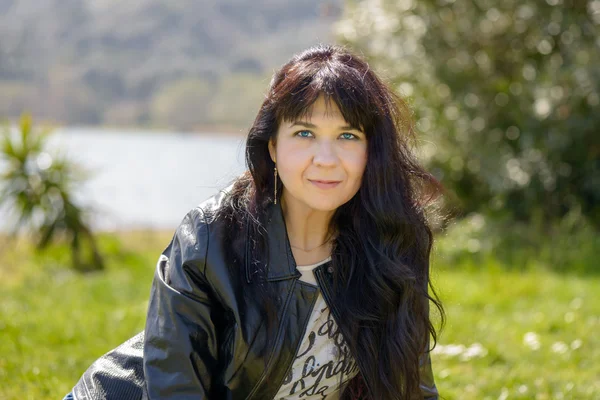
point(196, 261)
point(207, 210)
point(198, 219)
point(192, 237)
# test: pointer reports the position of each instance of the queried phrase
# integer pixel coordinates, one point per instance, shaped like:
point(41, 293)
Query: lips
point(324, 184)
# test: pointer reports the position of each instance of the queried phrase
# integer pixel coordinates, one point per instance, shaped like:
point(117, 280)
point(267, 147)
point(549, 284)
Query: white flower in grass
point(560, 347)
point(504, 394)
point(476, 350)
point(532, 340)
point(569, 317)
point(575, 344)
point(523, 389)
point(576, 303)
point(450, 350)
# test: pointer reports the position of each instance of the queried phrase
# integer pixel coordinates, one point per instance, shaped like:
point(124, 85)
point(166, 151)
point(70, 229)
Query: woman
point(306, 278)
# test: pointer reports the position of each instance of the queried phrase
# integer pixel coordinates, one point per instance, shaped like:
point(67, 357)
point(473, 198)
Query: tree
point(237, 99)
point(37, 188)
point(505, 93)
point(182, 104)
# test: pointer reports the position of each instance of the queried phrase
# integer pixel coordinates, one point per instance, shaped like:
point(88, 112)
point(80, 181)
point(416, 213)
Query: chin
point(325, 204)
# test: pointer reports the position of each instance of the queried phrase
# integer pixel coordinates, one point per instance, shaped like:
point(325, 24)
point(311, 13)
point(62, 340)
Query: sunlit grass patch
point(54, 322)
point(524, 335)
point(510, 334)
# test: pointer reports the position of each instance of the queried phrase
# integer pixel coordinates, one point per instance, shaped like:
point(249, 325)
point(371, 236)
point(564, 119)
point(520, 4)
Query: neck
point(307, 228)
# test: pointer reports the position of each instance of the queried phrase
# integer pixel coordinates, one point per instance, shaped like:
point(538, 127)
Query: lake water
point(148, 179)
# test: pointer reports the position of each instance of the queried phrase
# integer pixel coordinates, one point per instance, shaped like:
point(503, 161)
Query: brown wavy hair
point(382, 250)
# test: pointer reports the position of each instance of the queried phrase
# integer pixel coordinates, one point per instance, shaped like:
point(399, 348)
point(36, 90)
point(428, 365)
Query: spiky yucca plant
point(36, 189)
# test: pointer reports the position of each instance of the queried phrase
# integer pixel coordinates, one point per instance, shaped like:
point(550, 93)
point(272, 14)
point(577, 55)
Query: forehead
point(321, 108)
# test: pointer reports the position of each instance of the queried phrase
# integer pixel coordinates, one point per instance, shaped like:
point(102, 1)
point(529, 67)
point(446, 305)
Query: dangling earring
point(275, 184)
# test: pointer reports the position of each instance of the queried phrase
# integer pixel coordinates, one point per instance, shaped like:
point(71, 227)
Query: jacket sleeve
point(428, 389)
point(427, 385)
point(116, 375)
point(180, 346)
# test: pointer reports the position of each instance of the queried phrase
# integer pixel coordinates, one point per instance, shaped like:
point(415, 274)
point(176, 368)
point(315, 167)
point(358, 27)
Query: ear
point(272, 151)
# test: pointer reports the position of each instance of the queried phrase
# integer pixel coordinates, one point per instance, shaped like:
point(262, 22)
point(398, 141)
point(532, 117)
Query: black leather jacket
point(203, 338)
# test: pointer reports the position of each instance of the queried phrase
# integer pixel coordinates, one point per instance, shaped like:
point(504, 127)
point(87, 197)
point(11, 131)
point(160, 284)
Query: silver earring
point(275, 184)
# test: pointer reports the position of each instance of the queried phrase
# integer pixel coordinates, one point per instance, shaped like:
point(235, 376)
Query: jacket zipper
point(305, 325)
point(276, 346)
point(327, 297)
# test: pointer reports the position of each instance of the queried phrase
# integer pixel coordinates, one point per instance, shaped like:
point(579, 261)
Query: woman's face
point(320, 161)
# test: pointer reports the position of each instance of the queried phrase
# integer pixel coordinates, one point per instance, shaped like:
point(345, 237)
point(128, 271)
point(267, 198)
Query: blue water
point(147, 179)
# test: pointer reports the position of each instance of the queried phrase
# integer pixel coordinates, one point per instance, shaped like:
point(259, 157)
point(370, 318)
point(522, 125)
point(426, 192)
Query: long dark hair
point(381, 253)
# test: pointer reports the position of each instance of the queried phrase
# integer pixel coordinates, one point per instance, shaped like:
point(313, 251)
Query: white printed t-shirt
point(321, 358)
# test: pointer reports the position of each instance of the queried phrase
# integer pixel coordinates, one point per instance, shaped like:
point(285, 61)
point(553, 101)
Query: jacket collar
point(280, 263)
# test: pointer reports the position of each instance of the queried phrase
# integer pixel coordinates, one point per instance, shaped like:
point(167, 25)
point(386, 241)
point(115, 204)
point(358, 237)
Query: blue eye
point(349, 136)
point(304, 134)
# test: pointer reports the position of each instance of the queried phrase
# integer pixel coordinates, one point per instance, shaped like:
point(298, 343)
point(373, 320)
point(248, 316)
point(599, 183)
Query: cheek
point(292, 162)
point(357, 163)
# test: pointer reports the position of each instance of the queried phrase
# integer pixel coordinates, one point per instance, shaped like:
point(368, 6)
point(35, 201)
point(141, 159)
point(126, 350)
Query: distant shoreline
point(199, 130)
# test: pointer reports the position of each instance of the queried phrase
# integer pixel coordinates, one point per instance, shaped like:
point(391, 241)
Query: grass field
point(510, 335)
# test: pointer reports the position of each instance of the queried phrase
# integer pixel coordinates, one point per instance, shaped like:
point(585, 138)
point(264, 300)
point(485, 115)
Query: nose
point(325, 155)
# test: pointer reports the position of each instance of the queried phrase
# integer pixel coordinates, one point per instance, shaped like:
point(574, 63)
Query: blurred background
point(114, 109)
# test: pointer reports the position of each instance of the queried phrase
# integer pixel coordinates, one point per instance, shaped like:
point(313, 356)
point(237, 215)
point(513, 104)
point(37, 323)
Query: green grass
point(526, 335)
point(54, 323)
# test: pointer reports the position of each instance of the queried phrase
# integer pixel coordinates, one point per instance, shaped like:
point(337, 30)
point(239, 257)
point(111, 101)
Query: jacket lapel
point(279, 262)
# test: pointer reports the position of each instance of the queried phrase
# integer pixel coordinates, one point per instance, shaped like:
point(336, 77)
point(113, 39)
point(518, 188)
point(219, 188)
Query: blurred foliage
point(112, 62)
point(569, 245)
point(36, 188)
point(184, 102)
point(506, 95)
point(229, 107)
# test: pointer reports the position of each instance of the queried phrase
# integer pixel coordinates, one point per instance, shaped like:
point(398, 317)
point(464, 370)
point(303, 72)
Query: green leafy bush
point(506, 95)
point(568, 245)
point(36, 189)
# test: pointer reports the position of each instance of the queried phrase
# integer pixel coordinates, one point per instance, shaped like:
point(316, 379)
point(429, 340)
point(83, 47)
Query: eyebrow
point(313, 126)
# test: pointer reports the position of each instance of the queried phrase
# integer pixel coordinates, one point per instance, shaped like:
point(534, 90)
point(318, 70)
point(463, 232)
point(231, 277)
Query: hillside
point(183, 64)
